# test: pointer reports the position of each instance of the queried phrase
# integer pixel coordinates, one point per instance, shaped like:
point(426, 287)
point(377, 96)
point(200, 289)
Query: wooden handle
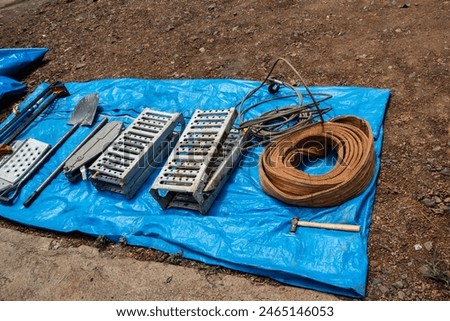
point(329, 226)
point(5, 150)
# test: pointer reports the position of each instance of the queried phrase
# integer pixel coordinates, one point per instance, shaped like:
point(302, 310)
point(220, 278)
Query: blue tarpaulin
point(245, 229)
point(12, 61)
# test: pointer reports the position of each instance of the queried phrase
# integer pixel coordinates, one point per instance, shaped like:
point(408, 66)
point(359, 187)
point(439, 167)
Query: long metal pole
point(29, 106)
point(58, 169)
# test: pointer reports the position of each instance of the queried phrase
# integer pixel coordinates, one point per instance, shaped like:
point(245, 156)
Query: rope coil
point(350, 137)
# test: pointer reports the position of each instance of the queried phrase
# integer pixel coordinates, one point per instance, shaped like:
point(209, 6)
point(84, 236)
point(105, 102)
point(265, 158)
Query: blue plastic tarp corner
point(12, 61)
point(245, 229)
point(10, 86)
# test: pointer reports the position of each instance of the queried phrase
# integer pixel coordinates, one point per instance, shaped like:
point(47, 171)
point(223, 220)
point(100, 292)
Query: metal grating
point(202, 149)
point(129, 158)
point(25, 157)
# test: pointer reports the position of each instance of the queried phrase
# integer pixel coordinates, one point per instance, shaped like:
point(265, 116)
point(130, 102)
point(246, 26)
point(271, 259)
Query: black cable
point(278, 122)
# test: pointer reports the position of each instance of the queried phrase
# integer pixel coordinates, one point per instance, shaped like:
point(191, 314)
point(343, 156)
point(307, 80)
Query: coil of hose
point(350, 137)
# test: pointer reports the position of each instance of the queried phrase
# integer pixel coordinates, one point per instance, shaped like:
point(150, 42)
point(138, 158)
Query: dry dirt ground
point(399, 45)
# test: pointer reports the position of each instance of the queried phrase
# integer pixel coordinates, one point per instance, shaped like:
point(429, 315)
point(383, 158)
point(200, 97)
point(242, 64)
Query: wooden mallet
point(328, 226)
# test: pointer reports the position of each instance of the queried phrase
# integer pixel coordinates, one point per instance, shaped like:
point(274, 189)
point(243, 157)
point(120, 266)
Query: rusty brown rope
point(350, 137)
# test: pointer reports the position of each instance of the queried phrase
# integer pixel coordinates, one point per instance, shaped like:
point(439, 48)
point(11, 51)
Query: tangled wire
point(279, 122)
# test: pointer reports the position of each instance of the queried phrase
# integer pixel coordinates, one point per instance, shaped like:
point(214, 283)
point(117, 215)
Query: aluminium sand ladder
point(201, 161)
point(131, 158)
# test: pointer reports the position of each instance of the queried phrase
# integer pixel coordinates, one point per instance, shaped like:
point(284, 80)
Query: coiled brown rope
point(350, 137)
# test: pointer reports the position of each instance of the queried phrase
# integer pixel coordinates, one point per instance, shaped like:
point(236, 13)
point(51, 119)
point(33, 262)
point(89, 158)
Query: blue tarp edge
point(12, 61)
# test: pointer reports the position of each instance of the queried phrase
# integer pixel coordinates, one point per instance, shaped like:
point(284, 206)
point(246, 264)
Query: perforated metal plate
point(199, 153)
point(186, 168)
point(26, 155)
point(221, 168)
point(135, 150)
point(105, 182)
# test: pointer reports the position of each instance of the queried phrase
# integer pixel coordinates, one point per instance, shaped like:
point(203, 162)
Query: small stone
point(445, 172)
point(399, 284)
point(436, 149)
point(376, 281)
point(417, 247)
point(54, 245)
point(398, 30)
point(401, 295)
point(425, 270)
point(437, 200)
point(447, 200)
point(428, 245)
point(202, 50)
point(384, 289)
point(412, 75)
point(404, 6)
point(374, 263)
point(79, 66)
point(439, 211)
point(169, 27)
point(428, 202)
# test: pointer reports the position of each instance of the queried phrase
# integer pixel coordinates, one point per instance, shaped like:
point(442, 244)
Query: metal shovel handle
point(58, 169)
point(10, 194)
point(50, 153)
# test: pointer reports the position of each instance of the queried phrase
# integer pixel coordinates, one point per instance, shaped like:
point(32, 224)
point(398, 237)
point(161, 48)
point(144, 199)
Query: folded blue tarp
point(245, 229)
point(12, 61)
point(9, 86)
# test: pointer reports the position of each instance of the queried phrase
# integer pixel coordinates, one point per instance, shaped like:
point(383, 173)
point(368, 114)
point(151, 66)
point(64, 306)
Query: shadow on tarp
point(245, 229)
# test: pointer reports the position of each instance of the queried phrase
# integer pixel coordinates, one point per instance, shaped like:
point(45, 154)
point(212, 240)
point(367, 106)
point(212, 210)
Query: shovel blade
point(84, 112)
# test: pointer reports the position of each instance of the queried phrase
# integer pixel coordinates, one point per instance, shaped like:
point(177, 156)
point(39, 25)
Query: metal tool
point(21, 114)
point(16, 169)
point(84, 155)
point(197, 167)
point(8, 196)
point(221, 167)
point(38, 105)
point(329, 226)
point(128, 161)
point(88, 105)
point(227, 159)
